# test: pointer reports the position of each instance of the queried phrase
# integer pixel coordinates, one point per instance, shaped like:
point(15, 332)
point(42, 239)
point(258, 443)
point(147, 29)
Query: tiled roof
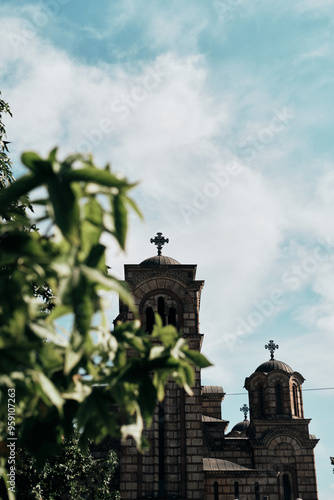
point(159, 260)
point(212, 389)
point(206, 418)
point(241, 426)
point(274, 364)
point(217, 464)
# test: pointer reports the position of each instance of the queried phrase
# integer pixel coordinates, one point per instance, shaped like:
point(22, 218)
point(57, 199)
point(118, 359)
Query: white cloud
point(167, 129)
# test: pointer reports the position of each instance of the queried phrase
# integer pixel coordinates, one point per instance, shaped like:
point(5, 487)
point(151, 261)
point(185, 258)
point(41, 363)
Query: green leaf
point(168, 335)
point(96, 176)
point(156, 352)
point(94, 212)
point(66, 208)
point(134, 430)
point(79, 393)
point(72, 358)
point(97, 254)
point(49, 389)
point(157, 325)
point(135, 341)
point(109, 283)
point(134, 206)
point(120, 219)
point(59, 311)
point(197, 358)
point(35, 163)
point(53, 155)
point(41, 330)
point(19, 188)
point(92, 225)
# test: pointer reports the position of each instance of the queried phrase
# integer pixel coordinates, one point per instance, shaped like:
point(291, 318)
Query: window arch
point(286, 487)
point(172, 316)
point(161, 309)
point(150, 320)
point(161, 434)
point(295, 400)
point(279, 398)
point(215, 491)
point(257, 491)
point(261, 400)
point(236, 489)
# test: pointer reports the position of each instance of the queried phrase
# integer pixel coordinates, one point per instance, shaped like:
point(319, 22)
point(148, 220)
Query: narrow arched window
point(162, 449)
point(149, 319)
point(261, 400)
point(279, 399)
point(295, 400)
point(257, 491)
point(215, 491)
point(286, 487)
point(172, 316)
point(161, 309)
point(236, 489)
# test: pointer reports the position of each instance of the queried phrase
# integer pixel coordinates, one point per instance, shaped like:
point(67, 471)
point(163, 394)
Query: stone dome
point(274, 364)
point(241, 426)
point(159, 260)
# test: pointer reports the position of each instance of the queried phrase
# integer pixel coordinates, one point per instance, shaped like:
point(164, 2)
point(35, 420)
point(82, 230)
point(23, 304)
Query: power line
point(237, 394)
point(304, 390)
point(319, 389)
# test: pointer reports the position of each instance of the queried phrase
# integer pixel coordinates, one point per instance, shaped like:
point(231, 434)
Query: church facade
point(192, 455)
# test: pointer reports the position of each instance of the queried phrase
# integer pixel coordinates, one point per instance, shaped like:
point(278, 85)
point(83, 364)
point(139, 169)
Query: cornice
point(170, 272)
point(246, 472)
point(281, 421)
point(283, 431)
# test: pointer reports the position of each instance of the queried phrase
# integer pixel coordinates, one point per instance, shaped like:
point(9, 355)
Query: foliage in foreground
point(81, 374)
point(6, 175)
point(70, 475)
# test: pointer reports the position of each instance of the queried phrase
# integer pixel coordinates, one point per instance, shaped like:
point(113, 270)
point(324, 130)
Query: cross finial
point(272, 348)
point(332, 462)
point(159, 241)
point(245, 410)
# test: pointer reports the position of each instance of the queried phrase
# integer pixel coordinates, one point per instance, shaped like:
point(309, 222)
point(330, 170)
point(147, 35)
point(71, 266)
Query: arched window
point(161, 449)
point(261, 400)
point(215, 491)
point(161, 309)
point(295, 400)
point(279, 399)
point(149, 319)
point(286, 487)
point(236, 489)
point(257, 491)
point(172, 316)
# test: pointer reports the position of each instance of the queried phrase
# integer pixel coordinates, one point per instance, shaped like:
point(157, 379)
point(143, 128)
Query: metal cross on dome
point(245, 410)
point(272, 348)
point(159, 241)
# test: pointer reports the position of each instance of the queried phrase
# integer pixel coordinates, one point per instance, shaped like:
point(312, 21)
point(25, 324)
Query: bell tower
point(278, 430)
point(173, 467)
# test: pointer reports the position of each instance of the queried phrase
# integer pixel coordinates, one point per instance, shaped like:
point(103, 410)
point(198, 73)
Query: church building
point(192, 453)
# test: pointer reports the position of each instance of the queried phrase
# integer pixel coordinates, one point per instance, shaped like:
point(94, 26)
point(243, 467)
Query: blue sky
point(224, 111)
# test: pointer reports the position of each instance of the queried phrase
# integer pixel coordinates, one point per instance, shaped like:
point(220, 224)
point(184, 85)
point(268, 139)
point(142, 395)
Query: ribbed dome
point(274, 364)
point(241, 426)
point(159, 260)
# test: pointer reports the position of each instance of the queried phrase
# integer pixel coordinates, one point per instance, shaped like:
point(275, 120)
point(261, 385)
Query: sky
point(223, 110)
